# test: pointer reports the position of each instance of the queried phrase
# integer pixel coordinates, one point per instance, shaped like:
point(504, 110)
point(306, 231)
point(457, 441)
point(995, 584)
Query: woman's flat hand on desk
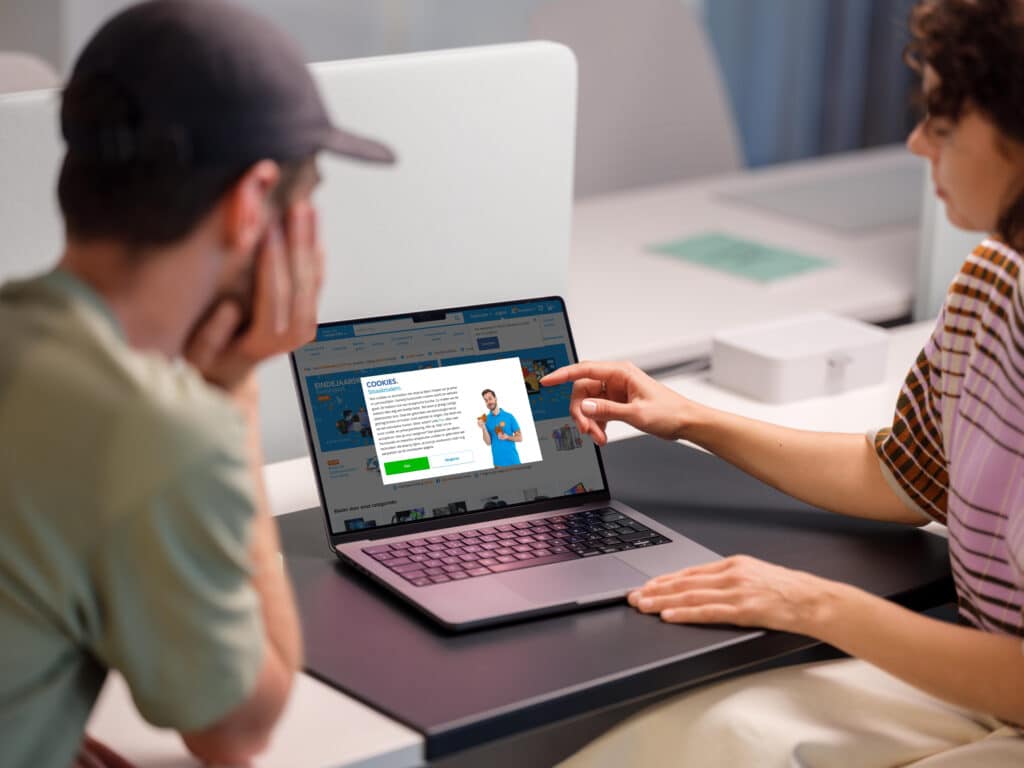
point(738, 590)
point(604, 392)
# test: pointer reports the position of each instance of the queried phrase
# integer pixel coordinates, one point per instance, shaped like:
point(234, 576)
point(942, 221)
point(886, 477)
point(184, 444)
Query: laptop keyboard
point(513, 546)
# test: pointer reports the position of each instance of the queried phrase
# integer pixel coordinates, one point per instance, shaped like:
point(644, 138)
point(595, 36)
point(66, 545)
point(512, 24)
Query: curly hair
point(976, 47)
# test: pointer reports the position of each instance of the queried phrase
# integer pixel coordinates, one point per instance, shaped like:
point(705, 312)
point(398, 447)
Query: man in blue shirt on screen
point(501, 431)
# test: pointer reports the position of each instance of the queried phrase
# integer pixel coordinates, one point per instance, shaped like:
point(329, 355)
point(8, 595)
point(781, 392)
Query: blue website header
point(504, 312)
point(511, 311)
point(335, 332)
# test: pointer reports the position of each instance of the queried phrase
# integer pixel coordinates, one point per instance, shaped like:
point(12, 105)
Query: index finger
point(584, 370)
point(303, 255)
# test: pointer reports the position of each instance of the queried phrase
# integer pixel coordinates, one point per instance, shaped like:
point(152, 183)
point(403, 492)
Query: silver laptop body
point(470, 532)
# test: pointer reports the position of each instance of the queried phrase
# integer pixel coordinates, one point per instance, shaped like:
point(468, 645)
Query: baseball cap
point(199, 83)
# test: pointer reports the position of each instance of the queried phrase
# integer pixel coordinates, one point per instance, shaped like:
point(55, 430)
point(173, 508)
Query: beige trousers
point(834, 714)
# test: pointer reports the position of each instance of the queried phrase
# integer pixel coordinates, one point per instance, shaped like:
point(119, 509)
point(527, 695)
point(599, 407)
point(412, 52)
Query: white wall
point(33, 26)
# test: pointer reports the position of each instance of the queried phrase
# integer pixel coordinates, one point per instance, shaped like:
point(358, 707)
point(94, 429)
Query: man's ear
point(246, 206)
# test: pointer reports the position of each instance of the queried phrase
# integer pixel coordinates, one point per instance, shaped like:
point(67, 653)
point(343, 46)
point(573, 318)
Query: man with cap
point(135, 534)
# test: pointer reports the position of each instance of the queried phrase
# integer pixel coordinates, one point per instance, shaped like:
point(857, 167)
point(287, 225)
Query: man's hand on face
point(289, 270)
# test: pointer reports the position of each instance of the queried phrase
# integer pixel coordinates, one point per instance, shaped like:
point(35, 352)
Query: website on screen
point(413, 420)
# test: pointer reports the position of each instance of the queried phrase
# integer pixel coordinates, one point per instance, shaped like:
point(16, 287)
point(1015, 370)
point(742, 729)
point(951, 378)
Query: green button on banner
point(406, 465)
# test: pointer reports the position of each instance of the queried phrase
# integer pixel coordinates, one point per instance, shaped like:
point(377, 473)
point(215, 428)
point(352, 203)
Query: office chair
point(25, 72)
point(652, 106)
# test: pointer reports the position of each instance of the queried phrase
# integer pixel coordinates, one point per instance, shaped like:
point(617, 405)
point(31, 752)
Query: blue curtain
point(811, 77)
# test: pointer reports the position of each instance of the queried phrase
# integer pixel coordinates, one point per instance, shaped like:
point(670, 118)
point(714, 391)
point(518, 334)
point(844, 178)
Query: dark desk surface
point(463, 690)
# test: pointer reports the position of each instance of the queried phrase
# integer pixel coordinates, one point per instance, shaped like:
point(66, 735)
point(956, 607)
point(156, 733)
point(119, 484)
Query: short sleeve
point(911, 451)
point(514, 424)
point(180, 618)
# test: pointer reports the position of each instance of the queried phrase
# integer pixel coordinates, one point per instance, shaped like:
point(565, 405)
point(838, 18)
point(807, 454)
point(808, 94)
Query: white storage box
point(799, 357)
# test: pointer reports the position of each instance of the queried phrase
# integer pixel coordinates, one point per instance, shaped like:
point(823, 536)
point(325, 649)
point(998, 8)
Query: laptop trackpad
point(575, 580)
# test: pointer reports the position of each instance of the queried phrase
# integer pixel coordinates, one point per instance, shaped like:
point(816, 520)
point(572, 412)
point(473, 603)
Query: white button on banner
point(451, 459)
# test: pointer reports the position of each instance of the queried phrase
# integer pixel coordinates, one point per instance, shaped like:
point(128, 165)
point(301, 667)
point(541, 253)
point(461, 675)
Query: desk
point(465, 691)
point(324, 727)
point(626, 303)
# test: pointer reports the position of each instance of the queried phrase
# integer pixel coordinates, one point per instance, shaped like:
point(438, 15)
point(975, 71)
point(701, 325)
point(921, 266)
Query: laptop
point(448, 475)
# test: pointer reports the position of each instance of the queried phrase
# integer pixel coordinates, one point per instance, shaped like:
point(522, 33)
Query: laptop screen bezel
point(466, 518)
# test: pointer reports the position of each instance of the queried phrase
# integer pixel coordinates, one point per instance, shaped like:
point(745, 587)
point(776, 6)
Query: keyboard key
point(503, 551)
point(439, 579)
point(505, 559)
point(489, 561)
point(398, 561)
point(413, 575)
point(638, 535)
point(400, 545)
point(421, 582)
point(375, 550)
point(455, 576)
point(452, 536)
point(521, 524)
point(435, 539)
point(407, 567)
point(517, 564)
point(433, 571)
point(435, 563)
point(479, 572)
point(450, 560)
point(449, 569)
point(524, 556)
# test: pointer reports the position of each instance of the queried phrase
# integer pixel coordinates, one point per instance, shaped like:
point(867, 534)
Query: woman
point(918, 691)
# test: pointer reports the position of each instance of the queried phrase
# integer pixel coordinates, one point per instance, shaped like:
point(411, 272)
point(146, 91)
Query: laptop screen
point(414, 417)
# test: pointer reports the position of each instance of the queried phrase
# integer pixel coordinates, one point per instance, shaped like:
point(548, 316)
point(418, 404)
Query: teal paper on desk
point(740, 257)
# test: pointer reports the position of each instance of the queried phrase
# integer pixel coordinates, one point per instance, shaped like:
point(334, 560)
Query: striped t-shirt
point(956, 447)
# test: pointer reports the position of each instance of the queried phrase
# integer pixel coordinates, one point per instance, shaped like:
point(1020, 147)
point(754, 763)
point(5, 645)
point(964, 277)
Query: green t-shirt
point(125, 514)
